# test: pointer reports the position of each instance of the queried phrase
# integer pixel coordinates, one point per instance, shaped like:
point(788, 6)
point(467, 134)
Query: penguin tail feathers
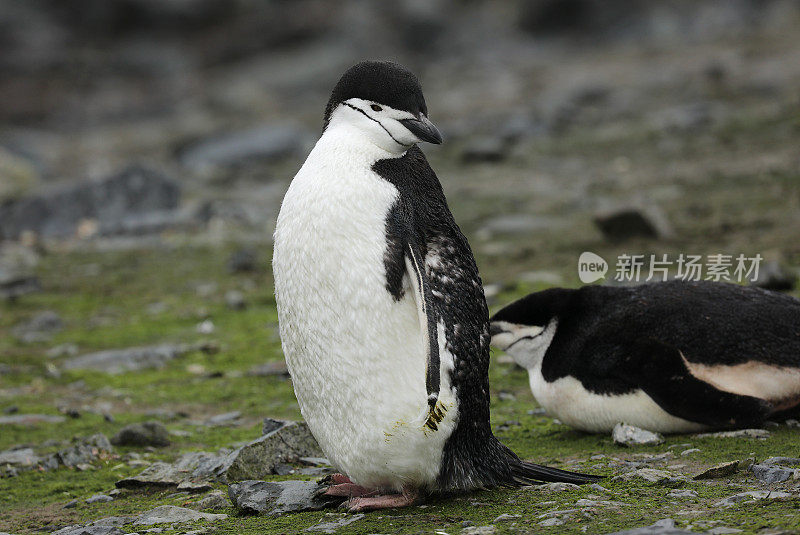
point(534, 474)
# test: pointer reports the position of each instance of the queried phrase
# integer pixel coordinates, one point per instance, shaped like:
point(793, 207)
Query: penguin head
point(383, 102)
point(525, 328)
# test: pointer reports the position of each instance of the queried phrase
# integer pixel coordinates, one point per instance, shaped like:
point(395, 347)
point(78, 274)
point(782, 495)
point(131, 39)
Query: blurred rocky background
point(131, 118)
point(145, 146)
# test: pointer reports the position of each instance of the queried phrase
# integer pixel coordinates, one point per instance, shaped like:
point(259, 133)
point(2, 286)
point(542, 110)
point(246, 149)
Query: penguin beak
point(424, 129)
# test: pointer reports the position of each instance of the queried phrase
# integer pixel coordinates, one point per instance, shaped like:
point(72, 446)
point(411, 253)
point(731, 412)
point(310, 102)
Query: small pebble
point(205, 327)
point(682, 493)
point(629, 435)
point(235, 300)
point(99, 498)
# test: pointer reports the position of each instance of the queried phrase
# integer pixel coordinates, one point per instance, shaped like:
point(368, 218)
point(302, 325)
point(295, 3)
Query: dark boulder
point(57, 212)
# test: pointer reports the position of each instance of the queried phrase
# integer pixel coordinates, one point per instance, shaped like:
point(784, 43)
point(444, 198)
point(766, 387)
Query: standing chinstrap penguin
point(382, 315)
point(669, 357)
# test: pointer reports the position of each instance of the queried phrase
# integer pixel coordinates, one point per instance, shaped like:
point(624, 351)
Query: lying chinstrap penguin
point(382, 315)
point(669, 357)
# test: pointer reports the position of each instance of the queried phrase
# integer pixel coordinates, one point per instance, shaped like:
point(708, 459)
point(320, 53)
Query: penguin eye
point(375, 107)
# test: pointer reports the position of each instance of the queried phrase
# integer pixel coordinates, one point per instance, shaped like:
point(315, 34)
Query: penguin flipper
point(415, 267)
point(664, 376)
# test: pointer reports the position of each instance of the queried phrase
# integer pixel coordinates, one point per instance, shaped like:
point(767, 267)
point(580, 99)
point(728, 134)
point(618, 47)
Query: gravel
point(278, 497)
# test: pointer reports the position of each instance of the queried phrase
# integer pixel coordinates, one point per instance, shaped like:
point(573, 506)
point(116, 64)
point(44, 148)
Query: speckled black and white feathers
point(473, 457)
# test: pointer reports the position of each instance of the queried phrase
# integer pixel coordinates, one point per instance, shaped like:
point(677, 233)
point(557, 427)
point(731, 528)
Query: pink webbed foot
point(381, 501)
point(336, 479)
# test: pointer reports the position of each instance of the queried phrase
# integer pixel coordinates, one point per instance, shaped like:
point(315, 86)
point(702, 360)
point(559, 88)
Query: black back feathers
point(383, 82)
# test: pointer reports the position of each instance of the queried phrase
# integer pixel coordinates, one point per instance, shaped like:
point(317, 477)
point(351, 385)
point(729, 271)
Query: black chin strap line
point(377, 121)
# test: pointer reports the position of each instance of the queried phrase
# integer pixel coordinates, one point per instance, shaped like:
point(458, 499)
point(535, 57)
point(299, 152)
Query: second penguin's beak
point(424, 129)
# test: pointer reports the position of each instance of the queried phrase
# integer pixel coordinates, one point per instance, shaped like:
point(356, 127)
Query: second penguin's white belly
point(355, 355)
point(568, 400)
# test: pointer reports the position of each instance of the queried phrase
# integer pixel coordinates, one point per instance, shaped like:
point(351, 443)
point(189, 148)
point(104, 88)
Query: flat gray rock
point(479, 530)
point(629, 435)
point(554, 521)
point(559, 513)
point(82, 451)
point(239, 148)
point(553, 487)
point(783, 461)
point(770, 473)
point(99, 498)
point(40, 328)
point(58, 210)
point(651, 475)
point(739, 433)
point(334, 525)
point(662, 527)
point(260, 457)
point(194, 467)
point(19, 458)
point(506, 517)
point(103, 526)
point(62, 350)
point(170, 514)
point(600, 503)
point(90, 530)
point(115, 361)
point(31, 419)
point(285, 441)
point(682, 493)
point(17, 270)
point(751, 496)
point(516, 224)
point(226, 418)
point(277, 497)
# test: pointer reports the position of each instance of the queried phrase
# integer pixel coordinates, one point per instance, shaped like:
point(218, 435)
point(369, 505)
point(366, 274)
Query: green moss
point(105, 301)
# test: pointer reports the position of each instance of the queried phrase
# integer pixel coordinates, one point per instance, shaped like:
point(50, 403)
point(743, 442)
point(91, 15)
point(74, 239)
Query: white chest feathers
point(356, 355)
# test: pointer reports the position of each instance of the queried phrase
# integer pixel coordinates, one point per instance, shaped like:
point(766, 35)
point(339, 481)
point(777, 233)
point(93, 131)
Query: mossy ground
point(105, 300)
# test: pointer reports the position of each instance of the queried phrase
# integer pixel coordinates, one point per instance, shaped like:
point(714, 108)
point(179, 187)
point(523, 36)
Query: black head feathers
point(537, 308)
point(383, 82)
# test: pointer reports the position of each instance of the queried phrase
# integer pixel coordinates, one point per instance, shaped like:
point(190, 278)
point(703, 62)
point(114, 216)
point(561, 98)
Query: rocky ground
point(139, 355)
